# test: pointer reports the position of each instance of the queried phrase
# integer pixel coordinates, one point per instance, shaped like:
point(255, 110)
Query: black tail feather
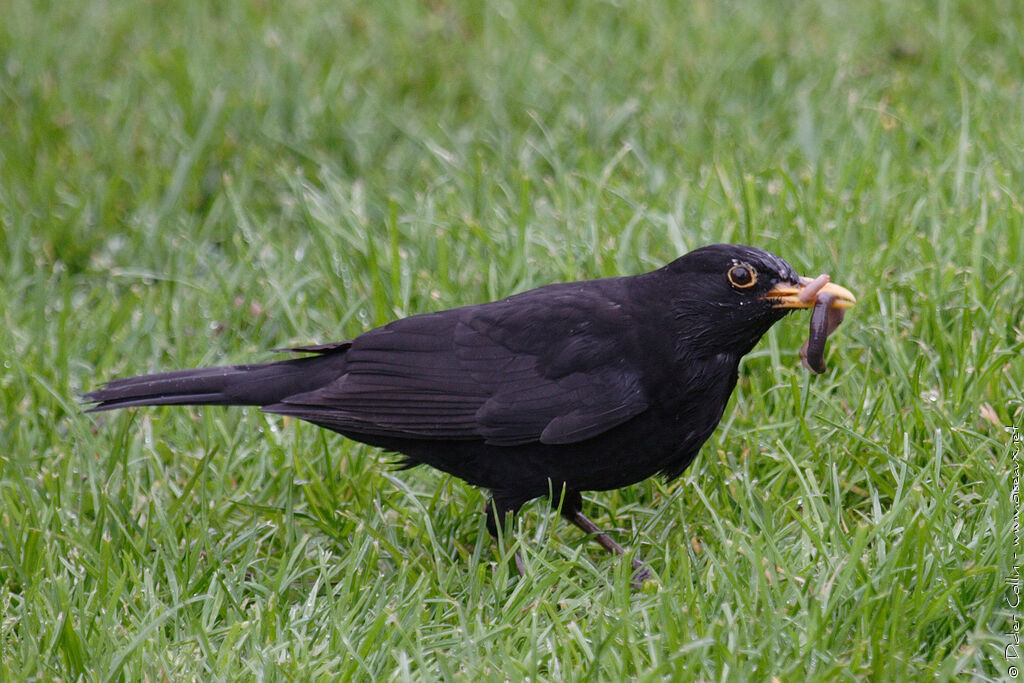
point(236, 385)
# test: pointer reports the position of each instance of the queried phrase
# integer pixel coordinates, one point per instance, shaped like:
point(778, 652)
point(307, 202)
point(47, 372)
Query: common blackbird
point(581, 386)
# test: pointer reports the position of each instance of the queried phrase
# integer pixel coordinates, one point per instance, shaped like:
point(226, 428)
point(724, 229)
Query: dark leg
point(503, 511)
point(571, 510)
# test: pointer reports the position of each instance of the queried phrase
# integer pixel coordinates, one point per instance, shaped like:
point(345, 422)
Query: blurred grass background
point(186, 183)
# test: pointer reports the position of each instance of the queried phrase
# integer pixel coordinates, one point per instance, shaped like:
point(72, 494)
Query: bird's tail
point(236, 385)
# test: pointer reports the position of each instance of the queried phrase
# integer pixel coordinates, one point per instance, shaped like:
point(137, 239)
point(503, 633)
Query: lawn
point(186, 183)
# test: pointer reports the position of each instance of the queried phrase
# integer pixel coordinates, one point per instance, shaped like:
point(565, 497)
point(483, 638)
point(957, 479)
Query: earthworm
point(812, 287)
point(824, 321)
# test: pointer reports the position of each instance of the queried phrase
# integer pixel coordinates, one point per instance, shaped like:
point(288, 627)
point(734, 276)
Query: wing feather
point(547, 366)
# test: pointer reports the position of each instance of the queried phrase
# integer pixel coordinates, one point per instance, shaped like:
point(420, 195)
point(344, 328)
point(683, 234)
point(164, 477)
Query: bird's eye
point(742, 276)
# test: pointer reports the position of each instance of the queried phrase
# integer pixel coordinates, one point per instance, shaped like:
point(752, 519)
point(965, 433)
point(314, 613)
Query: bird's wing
point(550, 365)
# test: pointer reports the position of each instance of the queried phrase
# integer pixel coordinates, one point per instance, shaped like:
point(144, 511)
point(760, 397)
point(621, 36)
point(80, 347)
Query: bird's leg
point(572, 512)
point(500, 512)
point(606, 541)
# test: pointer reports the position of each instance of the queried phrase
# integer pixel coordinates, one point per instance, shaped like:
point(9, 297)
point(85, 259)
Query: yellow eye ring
point(742, 276)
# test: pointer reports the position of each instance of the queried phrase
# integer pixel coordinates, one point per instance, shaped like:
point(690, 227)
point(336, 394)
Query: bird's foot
point(641, 572)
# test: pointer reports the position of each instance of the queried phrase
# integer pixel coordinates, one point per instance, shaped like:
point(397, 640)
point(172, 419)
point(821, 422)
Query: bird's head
point(728, 295)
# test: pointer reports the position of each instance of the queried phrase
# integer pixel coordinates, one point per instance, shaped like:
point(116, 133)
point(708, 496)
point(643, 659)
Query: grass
point(190, 183)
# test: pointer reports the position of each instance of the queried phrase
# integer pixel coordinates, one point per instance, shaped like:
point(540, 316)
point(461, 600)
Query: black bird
point(582, 386)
